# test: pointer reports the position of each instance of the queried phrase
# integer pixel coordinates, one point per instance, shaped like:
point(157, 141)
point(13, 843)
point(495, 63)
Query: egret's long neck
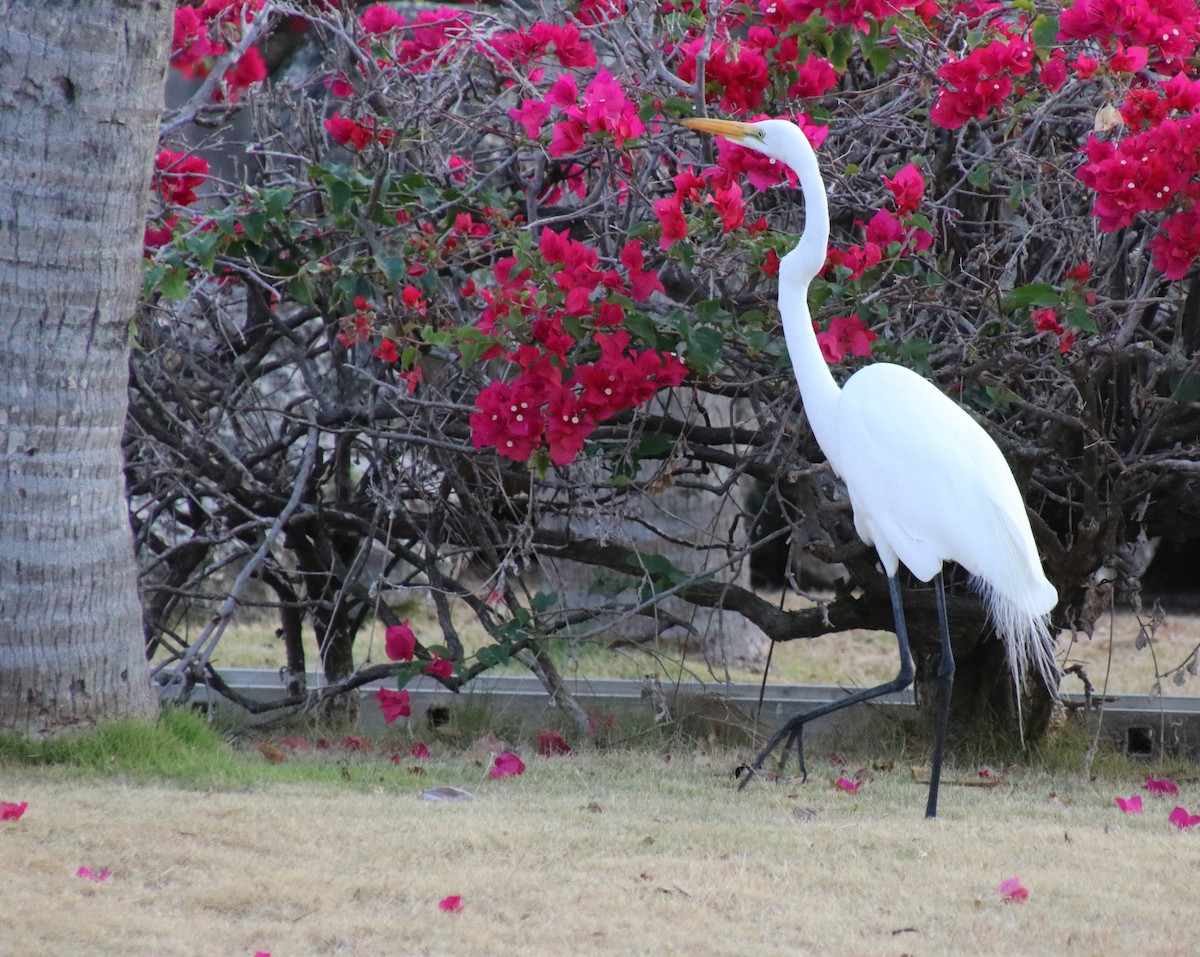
point(818, 389)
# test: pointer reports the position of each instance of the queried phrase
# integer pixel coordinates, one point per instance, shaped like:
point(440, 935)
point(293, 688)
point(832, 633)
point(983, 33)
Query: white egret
point(927, 483)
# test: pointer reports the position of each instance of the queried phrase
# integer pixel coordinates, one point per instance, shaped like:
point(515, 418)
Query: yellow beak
point(730, 129)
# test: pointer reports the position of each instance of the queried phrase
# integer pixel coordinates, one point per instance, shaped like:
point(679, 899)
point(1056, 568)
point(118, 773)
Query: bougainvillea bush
point(443, 298)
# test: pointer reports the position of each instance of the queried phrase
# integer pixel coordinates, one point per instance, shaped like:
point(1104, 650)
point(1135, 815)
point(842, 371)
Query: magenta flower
point(89, 875)
point(551, 742)
point(1182, 820)
point(420, 751)
point(440, 667)
point(908, 188)
point(507, 765)
point(847, 785)
point(452, 904)
point(393, 704)
point(1011, 891)
point(399, 642)
point(846, 335)
point(531, 116)
point(12, 812)
point(1160, 786)
point(1131, 805)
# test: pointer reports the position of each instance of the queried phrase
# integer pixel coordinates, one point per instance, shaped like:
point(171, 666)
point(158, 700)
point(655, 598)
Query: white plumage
point(927, 483)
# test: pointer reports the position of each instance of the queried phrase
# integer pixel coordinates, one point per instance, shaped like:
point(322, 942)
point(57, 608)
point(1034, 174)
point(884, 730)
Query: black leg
point(791, 732)
point(945, 684)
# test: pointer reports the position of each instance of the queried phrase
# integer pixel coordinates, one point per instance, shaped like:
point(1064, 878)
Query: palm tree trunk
point(80, 99)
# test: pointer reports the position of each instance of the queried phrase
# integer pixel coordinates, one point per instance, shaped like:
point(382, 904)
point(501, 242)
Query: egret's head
point(774, 138)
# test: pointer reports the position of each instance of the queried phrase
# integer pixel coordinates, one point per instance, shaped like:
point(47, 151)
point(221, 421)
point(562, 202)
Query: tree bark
point(80, 99)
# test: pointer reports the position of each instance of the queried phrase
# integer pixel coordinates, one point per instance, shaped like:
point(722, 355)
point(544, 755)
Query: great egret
point(927, 483)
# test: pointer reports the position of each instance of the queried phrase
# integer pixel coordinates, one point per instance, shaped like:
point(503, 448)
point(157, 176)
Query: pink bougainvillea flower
point(89, 875)
point(531, 115)
point(550, 742)
point(179, 175)
point(262, 953)
point(296, 743)
point(1011, 891)
point(908, 188)
point(352, 742)
point(440, 667)
point(399, 642)
point(846, 335)
point(1160, 786)
point(669, 212)
point(380, 18)
point(1131, 805)
point(12, 812)
point(452, 904)
point(507, 765)
point(420, 751)
point(349, 132)
point(847, 785)
point(386, 350)
point(1182, 820)
point(393, 704)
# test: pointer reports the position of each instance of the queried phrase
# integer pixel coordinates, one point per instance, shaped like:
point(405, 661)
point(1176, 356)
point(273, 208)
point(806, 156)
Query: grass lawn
point(216, 850)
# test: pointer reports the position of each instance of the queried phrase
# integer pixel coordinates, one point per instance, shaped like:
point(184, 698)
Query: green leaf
point(654, 446)
point(1034, 294)
point(393, 268)
point(705, 346)
point(642, 327)
point(204, 247)
point(493, 655)
point(657, 567)
point(711, 311)
point(175, 284)
point(1080, 317)
point(841, 46)
point(254, 225)
point(1045, 31)
point(302, 290)
point(880, 59)
point(542, 601)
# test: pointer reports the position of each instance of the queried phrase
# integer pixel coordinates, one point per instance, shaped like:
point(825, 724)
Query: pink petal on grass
point(551, 742)
point(420, 751)
point(1131, 805)
point(847, 785)
point(1011, 891)
point(12, 812)
point(1182, 820)
point(1160, 786)
point(507, 765)
point(452, 904)
point(90, 875)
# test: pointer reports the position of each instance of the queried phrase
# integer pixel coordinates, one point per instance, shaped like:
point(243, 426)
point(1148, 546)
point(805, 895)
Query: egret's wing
point(928, 481)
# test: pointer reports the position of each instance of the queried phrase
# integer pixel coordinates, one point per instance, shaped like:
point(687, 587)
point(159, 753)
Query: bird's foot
point(792, 733)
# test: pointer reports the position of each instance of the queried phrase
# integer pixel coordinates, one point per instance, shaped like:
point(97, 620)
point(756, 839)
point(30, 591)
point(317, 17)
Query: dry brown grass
point(671, 862)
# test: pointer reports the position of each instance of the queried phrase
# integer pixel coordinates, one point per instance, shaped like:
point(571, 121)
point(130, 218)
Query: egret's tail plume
point(1027, 640)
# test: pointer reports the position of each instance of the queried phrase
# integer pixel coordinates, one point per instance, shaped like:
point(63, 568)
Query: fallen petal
point(847, 785)
point(89, 875)
point(1011, 891)
point(12, 812)
point(1160, 786)
point(507, 765)
point(1182, 820)
point(1131, 805)
point(452, 904)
